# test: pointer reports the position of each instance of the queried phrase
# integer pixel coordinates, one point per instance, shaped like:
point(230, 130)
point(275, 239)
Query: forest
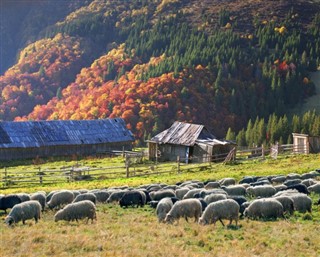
point(152, 63)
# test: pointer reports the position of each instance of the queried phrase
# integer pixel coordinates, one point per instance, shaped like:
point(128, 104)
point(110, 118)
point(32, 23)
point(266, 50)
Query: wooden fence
point(134, 165)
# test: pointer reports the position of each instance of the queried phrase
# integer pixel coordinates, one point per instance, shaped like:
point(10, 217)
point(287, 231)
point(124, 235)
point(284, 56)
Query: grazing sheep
point(116, 196)
point(240, 199)
point(76, 211)
point(204, 193)
point(191, 193)
point(186, 208)
point(60, 198)
point(287, 203)
point(145, 195)
point(163, 207)
point(24, 211)
point(235, 190)
point(279, 179)
point(158, 195)
point(214, 198)
point(8, 201)
point(308, 182)
point(86, 196)
point(301, 202)
point(24, 197)
point(212, 185)
point(310, 175)
point(267, 208)
point(280, 187)
point(132, 198)
point(101, 195)
point(227, 181)
point(243, 206)
point(203, 204)
point(261, 191)
point(293, 176)
point(292, 182)
point(223, 209)
point(154, 204)
point(301, 188)
point(248, 180)
point(180, 192)
point(40, 197)
point(315, 188)
point(48, 197)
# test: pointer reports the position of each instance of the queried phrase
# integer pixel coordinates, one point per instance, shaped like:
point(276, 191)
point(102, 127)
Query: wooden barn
point(303, 143)
point(191, 142)
point(31, 139)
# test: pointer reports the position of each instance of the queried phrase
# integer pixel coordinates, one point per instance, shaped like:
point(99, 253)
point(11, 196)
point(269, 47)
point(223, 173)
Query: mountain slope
point(219, 63)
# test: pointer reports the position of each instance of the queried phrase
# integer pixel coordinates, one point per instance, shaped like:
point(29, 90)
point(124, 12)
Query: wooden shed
point(191, 142)
point(30, 139)
point(303, 143)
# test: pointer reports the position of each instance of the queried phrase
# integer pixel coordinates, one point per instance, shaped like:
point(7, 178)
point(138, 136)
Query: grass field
point(136, 232)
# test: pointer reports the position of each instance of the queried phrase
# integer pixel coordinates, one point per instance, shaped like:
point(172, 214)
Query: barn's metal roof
point(63, 132)
point(181, 133)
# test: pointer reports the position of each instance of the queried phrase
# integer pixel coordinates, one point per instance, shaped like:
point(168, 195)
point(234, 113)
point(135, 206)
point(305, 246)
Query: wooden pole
point(178, 163)
point(127, 165)
point(40, 176)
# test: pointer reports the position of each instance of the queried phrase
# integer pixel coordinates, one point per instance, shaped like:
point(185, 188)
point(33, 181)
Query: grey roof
point(181, 133)
point(63, 132)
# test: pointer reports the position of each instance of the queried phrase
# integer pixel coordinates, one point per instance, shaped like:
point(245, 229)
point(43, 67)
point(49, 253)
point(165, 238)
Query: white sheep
point(301, 202)
point(180, 192)
point(261, 191)
point(163, 207)
point(76, 211)
point(227, 181)
point(24, 211)
point(40, 197)
point(186, 208)
point(267, 208)
point(214, 198)
point(314, 188)
point(223, 209)
point(86, 196)
point(235, 190)
point(60, 198)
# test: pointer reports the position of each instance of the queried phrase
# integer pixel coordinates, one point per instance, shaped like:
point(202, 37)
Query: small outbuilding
point(303, 143)
point(31, 139)
point(189, 142)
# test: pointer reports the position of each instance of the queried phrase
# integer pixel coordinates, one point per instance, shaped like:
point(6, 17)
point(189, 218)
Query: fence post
point(40, 176)
point(178, 163)
point(127, 166)
point(262, 151)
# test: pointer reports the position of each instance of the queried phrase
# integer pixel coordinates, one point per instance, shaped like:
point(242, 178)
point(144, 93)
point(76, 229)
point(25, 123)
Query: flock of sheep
point(256, 197)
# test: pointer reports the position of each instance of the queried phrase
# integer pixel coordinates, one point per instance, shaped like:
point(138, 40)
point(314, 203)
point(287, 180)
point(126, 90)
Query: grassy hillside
point(136, 232)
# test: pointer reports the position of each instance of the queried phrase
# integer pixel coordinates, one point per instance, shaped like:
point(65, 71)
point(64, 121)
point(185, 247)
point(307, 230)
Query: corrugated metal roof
point(62, 132)
point(181, 133)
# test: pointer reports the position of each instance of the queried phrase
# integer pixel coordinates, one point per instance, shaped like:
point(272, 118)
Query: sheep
point(101, 195)
point(223, 209)
point(116, 196)
point(280, 187)
point(240, 199)
point(235, 190)
point(308, 182)
point(40, 197)
point(310, 175)
point(60, 198)
point(292, 182)
point(243, 206)
point(163, 207)
point(145, 195)
point(247, 180)
point(24, 197)
point(293, 176)
point(191, 193)
point(212, 185)
point(267, 208)
point(261, 191)
point(301, 188)
point(8, 201)
point(279, 179)
point(214, 197)
point(260, 183)
point(24, 211)
point(86, 196)
point(180, 192)
point(227, 181)
point(158, 195)
point(315, 188)
point(132, 198)
point(287, 203)
point(301, 202)
point(76, 211)
point(186, 208)
point(48, 197)
point(204, 193)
